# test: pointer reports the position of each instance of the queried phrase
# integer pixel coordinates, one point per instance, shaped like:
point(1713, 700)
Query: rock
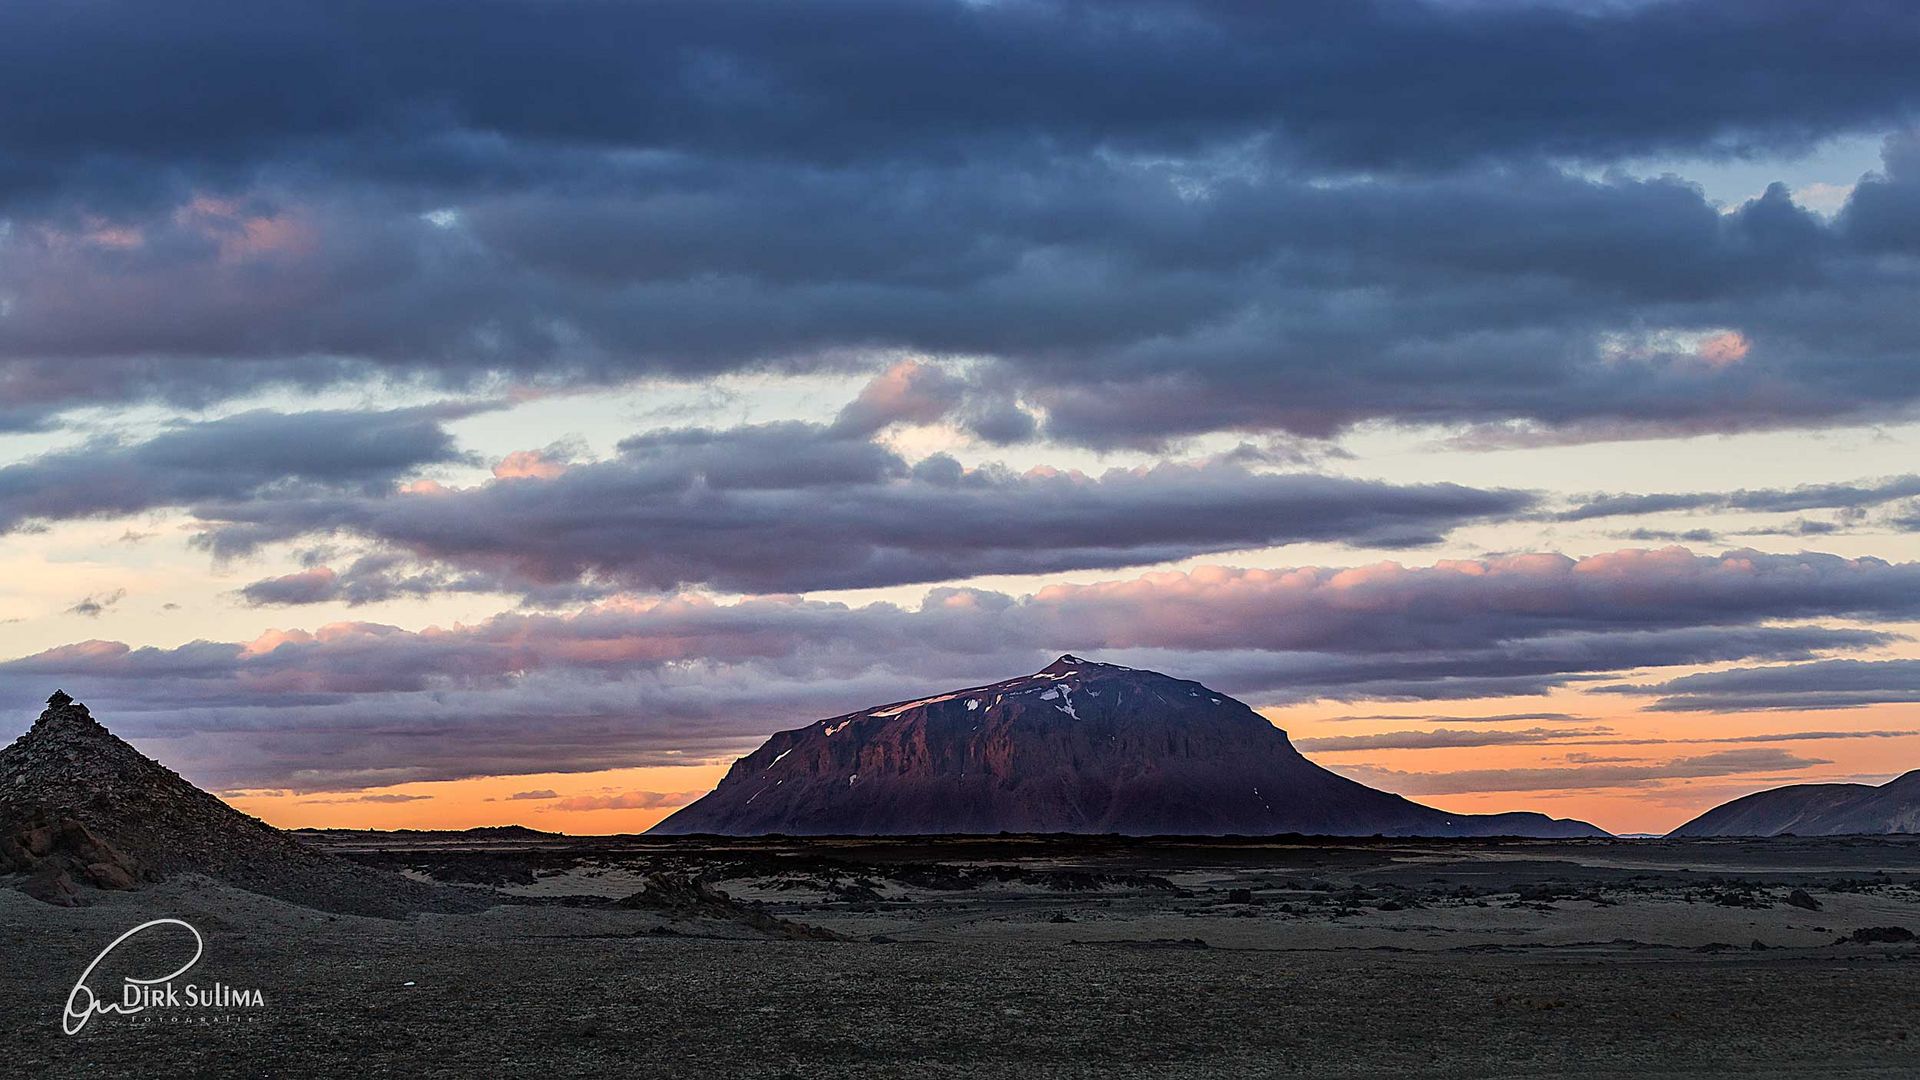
point(109, 876)
point(1240, 896)
point(1878, 935)
point(1799, 898)
point(52, 886)
point(685, 898)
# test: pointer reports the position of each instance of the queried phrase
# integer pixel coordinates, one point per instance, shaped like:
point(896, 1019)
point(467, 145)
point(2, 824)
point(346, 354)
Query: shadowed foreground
point(1037, 958)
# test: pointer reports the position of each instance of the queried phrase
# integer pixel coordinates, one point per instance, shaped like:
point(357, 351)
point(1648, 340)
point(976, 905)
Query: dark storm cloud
point(234, 457)
point(634, 681)
point(794, 507)
point(1826, 684)
point(1120, 305)
point(447, 91)
point(1148, 219)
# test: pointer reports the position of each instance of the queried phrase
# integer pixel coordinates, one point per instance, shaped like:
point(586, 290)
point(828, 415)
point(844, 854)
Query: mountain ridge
point(1817, 810)
point(1079, 747)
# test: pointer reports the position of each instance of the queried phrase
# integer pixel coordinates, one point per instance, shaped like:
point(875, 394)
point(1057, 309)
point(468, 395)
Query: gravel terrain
point(1021, 957)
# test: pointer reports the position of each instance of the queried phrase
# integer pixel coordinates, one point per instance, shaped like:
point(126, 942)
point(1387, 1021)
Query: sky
point(431, 415)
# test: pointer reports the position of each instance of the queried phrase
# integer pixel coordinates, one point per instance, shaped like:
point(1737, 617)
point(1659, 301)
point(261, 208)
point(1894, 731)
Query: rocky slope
point(1077, 747)
point(1816, 810)
point(79, 808)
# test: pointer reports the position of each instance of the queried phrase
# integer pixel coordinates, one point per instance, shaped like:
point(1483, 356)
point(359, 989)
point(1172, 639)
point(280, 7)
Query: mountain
point(1077, 747)
point(81, 807)
point(1816, 810)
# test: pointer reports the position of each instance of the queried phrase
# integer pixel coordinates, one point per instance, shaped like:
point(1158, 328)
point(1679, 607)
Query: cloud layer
point(635, 681)
point(795, 507)
point(1141, 220)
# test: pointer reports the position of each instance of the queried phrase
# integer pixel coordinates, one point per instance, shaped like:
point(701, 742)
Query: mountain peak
point(64, 713)
point(1069, 664)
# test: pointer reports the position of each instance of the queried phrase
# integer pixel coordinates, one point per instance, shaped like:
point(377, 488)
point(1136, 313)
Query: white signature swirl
point(84, 1005)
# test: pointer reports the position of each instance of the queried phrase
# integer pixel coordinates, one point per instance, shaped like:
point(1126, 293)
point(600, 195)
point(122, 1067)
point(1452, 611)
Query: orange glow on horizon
point(634, 800)
point(584, 804)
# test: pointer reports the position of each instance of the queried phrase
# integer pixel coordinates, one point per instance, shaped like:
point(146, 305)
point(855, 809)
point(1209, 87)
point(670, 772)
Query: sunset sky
point(419, 415)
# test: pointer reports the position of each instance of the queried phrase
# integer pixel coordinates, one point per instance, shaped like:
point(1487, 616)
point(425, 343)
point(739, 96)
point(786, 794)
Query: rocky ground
point(1024, 957)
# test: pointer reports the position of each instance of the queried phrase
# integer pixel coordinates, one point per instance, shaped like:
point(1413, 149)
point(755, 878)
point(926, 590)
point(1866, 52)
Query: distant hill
point(1077, 747)
point(1816, 810)
point(80, 808)
point(478, 833)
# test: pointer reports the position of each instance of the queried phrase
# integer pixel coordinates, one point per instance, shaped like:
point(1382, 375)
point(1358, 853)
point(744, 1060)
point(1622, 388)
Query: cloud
point(1580, 777)
point(1274, 222)
point(1447, 738)
point(908, 392)
point(368, 579)
point(525, 464)
point(1761, 500)
point(94, 604)
point(543, 793)
point(804, 81)
point(1502, 718)
point(644, 681)
point(382, 798)
point(234, 457)
point(1826, 684)
point(632, 800)
point(793, 507)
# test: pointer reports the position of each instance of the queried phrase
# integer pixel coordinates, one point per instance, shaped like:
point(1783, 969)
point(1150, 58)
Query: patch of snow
point(838, 726)
point(1051, 694)
point(852, 780)
point(781, 754)
point(973, 704)
point(1066, 702)
point(896, 710)
point(1216, 701)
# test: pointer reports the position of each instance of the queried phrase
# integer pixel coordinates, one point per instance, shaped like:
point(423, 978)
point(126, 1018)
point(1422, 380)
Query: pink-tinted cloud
point(528, 464)
point(1724, 348)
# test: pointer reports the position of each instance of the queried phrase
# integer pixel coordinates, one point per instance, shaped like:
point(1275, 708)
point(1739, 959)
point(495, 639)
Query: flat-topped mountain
point(80, 807)
point(1816, 810)
point(1078, 747)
